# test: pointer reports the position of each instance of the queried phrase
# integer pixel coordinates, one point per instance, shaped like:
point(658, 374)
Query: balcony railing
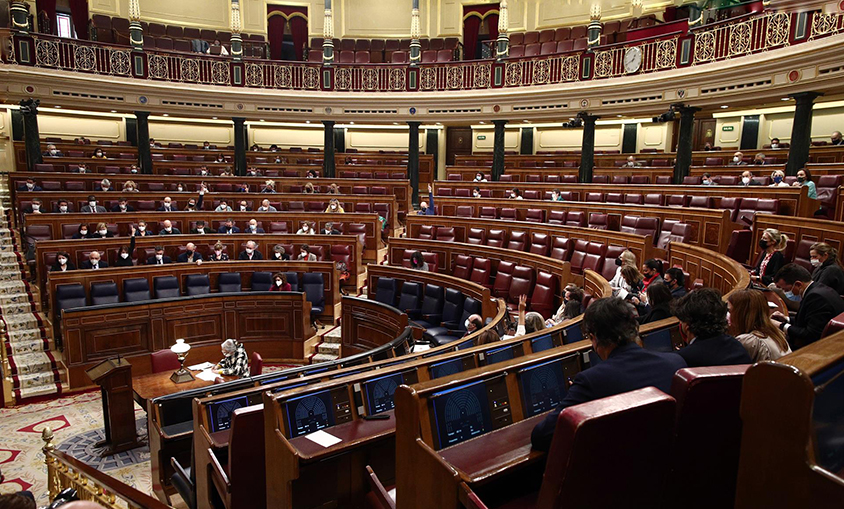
point(752, 34)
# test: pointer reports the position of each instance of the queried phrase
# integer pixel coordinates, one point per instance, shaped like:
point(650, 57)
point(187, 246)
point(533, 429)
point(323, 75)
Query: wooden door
point(458, 142)
point(704, 132)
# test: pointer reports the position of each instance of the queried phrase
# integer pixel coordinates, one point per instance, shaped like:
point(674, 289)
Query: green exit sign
point(481, 137)
point(728, 127)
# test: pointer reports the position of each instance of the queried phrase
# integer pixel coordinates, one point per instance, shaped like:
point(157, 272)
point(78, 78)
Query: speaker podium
point(114, 376)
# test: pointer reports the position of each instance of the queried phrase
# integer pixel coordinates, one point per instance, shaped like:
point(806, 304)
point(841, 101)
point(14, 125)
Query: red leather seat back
point(532, 194)
point(432, 259)
point(557, 217)
point(680, 232)
point(628, 224)
point(405, 257)
point(576, 218)
point(520, 284)
point(163, 360)
point(767, 206)
point(647, 226)
point(462, 267)
point(476, 236)
point(444, 191)
point(488, 213)
point(595, 254)
point(540, 243)
point(503, 278)
point(580, 453)
point(663, 179)
point(426, 232)
point(481, 268)
point(661, 163)
point(634, 199)
point(676, 200)
point(445, 234)
point(464, 211)
point(608, 267)
point(562, 248)
point(713, 161)
point(496, 238)
point(654, 199)
point(595, 197)
point(827, 188)
point(620, 179)
point(614, 198)
point(535, 215)
point(703, 202)
point(598, 221)
point(462, 193)
point(518, 241)
point(640, 179)
point(834, 325)
point(544, 294)
point(665, 232)
point(802, 256)
point(342, 254)
point(728, 180)
point(706, 463)
point(508, 213)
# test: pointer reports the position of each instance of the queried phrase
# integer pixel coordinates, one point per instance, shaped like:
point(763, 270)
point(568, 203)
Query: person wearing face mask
point(329, 229)
point(63, 263)
point(99, 154)
point(305, 254)
point(778, 179)
point(52, 151)
point(827, 270)
point(134, 169)
point(556, 195)
point(250, 253)
point(417, 262)
point(738, 160)
point(476, 192)
point(218, 254)
point(759, 159)
point(703, 326)
point(309, 189)
point(818, 305)
point(749, 319)
point(180, 187)
point(228, 228)
point(804, 178)
point(123, 206)
point(280, 283)
point(201, 228)
point(64, 207)
point(253, 172)
point(571, 307)
point(747, 179)
point(29, 185)
point(334, 207)
point(333, 189)
point(707, 146)
point(159, 258)
point(619, 283)
point(269, 187)
point(92, 206)
point(479, 177)
point(266, 207)
point(279, 253)
point(707, 180)
point(94, 262)
point(253, 227)
point(80, 168)
point(101, 232)
point(223, 207)
point(305, 229)
point(836, 138)
point(770, 258)
point(426, 208)
point(243, 206)
point(81, 232)
point(104, 185)
point(676, 282)
point(516, 194)
point(775, 143)
point(190, 255)
point(227, 172)
point(632, 162)
point(130, 187)
point(36, 207)
point(312, 174)
point(194, 205)
point(167, 205)
point(124, 254)
point(220, 159)
point(169, 229)
point(141, 231)
point(82, 141)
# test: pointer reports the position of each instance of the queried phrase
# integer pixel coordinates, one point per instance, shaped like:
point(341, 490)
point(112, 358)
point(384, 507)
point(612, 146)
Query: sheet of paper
point(622, 293)
point(207, 375)
point(322, 438)
point(201, 367)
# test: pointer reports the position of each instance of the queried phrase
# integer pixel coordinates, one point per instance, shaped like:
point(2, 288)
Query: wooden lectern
point(114, 376)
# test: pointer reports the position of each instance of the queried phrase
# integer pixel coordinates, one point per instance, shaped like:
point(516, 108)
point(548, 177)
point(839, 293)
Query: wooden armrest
point(218, 475)
point(177, 467)
point(210, 441)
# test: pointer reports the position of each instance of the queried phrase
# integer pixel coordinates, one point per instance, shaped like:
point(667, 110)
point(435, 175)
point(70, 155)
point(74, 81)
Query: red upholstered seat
point(614, 198)
point(564, 46)
point(464, 211)
point(576, 218)
point(462, 193)
point(426, 232)
point(827, 188)
point(661, 163)
point(462, 266)
point(445, 233)
point(518, 241)
point(540, 243)
point(640, 179)
point(608, 266)
point(595, 254)
point(508, 213)
point(620, 179)
point(834, 325)
point(535, 216)
point(476, 236)
point(256, 364)
point(634, 199)
point(595, 197)
point(521, 283)
point(531, 194)
point(433, 261)
point(704, 202)
point(561, 248)
point(801, 255)
point(548, 47)
point(676, 200)
point(481, 269)
point(531, 37)
point(706, 463)
point(241, 486)
point(164, 360)
point(532, 50)
point(496, 238)
point(598, 221)
point(488, 213)
point(691, 180)
point(542, 300)
point(663, 179)
point(517, 51)
point(503, 278)
point(557, 217)
point(517, 38)
point(680, 232)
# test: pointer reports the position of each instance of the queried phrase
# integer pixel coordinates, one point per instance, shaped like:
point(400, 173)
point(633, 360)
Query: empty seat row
point(548, 48)
point(378, 51)
point(218, 187)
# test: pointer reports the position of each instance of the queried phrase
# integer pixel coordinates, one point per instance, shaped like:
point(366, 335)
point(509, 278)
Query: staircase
point(28, 362)
point(329, 348)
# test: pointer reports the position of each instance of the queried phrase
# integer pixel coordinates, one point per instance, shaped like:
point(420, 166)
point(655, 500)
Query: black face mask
point(801, 179)
point(618, 262)
point(763, 243)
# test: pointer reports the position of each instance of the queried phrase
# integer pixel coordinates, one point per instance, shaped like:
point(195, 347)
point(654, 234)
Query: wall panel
point(380, 139)
point(286, 137)
point(183, 132)
point(512, 140)
point(67, 126)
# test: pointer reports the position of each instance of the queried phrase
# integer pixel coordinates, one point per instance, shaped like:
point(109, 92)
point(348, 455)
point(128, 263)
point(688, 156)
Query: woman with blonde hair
point(824, 258)
point(750, 322)
point(309, 189)
point(130, 187)
point(778, 179)
point(335, 207)
point(771, 258)
point(619, 282)
point(333, 189)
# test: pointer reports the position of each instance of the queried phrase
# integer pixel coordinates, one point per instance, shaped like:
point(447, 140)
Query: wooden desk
point(350, 434)
point(154, 385)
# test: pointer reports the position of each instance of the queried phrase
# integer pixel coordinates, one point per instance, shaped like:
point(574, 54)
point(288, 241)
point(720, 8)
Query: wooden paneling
point(715, 270)
point(368, 324)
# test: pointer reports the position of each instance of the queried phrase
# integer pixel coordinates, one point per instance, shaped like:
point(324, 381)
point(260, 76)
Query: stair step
point(329, 348)
point(28, 363)
point(321, 357)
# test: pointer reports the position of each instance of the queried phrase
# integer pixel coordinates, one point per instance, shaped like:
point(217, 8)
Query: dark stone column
point(328, 168)
point(144, 153)
point(801, 131)
point(684, 143)
point(527, 141)
point(31, 138)
point(239, 145)
point(413, 160)
point(498, 150)
point(587, 147)
point(432, 147)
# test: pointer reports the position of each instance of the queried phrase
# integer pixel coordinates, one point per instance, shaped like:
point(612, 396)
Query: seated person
point(99, 154)
point(703, 326)
point(707, 180)
point(804, 178)
point(280, 283)
point(571, 307)
point(305, 254)
point(516, 194)
point(190, 255)
point(218, 255)
point(63, 263)
point(104, 185)
point(130, 187)
point(632, 162)
point(223, 207)
point(305, 229)
point(34, 207)
point(63, 207)
point(167, 205)
point(227, 172)
point(279, 253)
point(556, 195)
point(201, 228)
point(417, 262)
point(738, 160)
point(206, 146)
point(488, 337)
point(101, 232)
point(82, 141)
point(473, 323)
point(243, 206)
point(610, 323)
point(707, 146)
point(194, 205)
point(228, 227)
point(52, 151)
point(818, 305)
point(81, 168)
point(93, 262)
point(676, 282)
point(479, 177)
point(169, 229)
point(134, 169)
point(836, 138)
point(124, 254)
point(92, 206)
point(123, 205)
point(778, 179)
point(333, 189)
point(269, 187)
point(658, 305)
point(159, 258)
point(329, 229)
point(824, 258)
point(29, 185)
point(775, 143)
point(253, 172)
point(250, 253)
point(142, 230)
point(750, 322)
point(253, 227)
point(426, 208)
point(266, 207)
point(309, 189)
point(476, 192)
point(81, 232)
point(759, 159)
point(235, 361)
point(748, 180)
point(334, 206)
point(311, 174)
point(217, 48)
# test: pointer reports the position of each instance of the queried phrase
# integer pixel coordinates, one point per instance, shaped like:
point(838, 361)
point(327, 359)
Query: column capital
point(586, 117)
point(414, 124)
point(685, 109)
point(238, 120)
point(328, 123)
point(29, 106)
point(805, 96)
point(142, 114)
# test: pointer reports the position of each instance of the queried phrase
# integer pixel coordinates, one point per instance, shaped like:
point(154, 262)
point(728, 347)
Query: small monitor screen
point(446, 368)
point(499, 355)
point(309, 413)
point(828, 419)
point(461, 413)
point(379, 393)
point(542, 343)
point(573, 334)
point(220, 412)
point(543, 387)
point(658, 341)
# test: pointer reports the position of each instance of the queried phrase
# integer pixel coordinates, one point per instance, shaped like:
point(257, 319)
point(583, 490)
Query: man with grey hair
point(235, 361)
point(190, 255)
point(251, 252)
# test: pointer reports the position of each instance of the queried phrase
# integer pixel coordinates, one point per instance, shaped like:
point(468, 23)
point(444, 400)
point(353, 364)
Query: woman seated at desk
point(235, 361)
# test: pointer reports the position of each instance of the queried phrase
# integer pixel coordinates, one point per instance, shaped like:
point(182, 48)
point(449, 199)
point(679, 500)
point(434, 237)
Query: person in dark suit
point(81, 232)
point(169, 229)
point(426, 208)
point(123, 206)
point(124, 254)
point(92, 206)
point(36, 207)
point(279, 253)
point(818, 305)
point(159, 257)
point(218, 255)
point(93, 262)
point(63, 207)
point(243, 206)
point(771, 258)
point(659, 304)
point(141, 230)
point(167, 205)
point(824, 258)
point(63, 263)
point(748, 180)
point(101, 232)
point(29, 185)
point(201, 228)
point(676, 281)
point(190, 255)
point(610, 323)
point(228, 228)
point(253, 227)
point(251, 252)
point(703, 326)
point(329, 229)
point(104, 185)
point(52, 151)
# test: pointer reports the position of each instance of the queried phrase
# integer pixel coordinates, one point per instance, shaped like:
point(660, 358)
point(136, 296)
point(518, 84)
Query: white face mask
point(745, 180)
point(333, 206)
point(306, 227)
point(242, 208)
point(104, 185)
point(815, 262)
point(95, 262)
point(180, 189)
point(53, 151)
point(253, 226)
point(159, 257)
point(277, 255)
point(92, 204)
point(774, 145)
point(466, 324)
point(168, 229)
point(124, 255)
point(62, 261)
point(83, 232)
point(477, 195)
point(103, 232)
point(35, 207)
point(30, 186)
point(167, 204)
point(278, 282)
point(736, 159)
point(249, 251)
point(63, 208)
point(123, 206)
point(142, 228)
point(134, 170)
point(218, 253)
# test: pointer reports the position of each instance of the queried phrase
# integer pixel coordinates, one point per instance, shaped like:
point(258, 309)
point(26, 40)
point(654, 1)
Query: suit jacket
point(206, 231)
point(164, 261)
point(628, 367)
point(129, 208)
point(774, 265)
point(679, 292)
point(96, 235)
point(98, 188)
point(819, 305)
point(87, 264)
point(163, 209)
point(257, 230)
point(832, 275)
point(268, 209)
point(86, 209)
point(256, 255)
point(656, 313)
point(175, 231)
point(24, 188)
point(223, 229)
point(332, 232)
point(720, 350)
point(57, 267)
point(183, 258)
